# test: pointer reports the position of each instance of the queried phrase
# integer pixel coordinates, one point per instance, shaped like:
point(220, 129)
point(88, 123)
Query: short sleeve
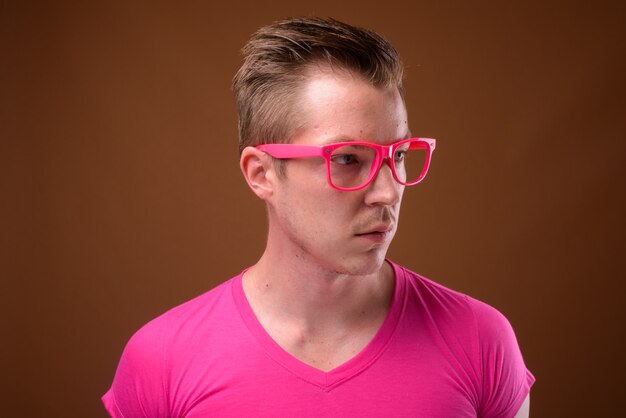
point(505, 379)
point(139, 388)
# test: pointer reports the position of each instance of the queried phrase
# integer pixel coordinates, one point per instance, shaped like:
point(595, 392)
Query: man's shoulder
point(430, 291)
point(444, 302)
point(219, 297)
point(185, 321)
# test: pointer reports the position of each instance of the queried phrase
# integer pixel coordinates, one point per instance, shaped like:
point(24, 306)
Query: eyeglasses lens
point(410, 160)
point(351, 165)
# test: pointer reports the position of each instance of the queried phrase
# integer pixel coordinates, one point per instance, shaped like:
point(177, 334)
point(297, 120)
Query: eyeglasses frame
point(383, 152)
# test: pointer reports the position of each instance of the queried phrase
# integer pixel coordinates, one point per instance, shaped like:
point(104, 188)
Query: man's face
point(343, 232)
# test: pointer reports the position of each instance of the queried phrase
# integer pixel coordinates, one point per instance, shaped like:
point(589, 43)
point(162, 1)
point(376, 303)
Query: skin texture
point(524, 410)
point(320, 221)
point(322, 288)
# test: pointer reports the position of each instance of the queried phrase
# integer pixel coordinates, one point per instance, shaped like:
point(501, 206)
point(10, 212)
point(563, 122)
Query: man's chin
point(364, 265)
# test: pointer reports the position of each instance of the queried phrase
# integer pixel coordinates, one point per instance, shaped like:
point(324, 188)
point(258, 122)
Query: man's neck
point(319, 316)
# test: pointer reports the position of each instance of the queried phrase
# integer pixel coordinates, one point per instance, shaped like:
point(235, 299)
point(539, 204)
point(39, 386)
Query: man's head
point(315, 84)
point(281, 57)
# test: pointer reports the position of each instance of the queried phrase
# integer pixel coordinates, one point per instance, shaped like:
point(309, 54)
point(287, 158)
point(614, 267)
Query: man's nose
point(384, 189)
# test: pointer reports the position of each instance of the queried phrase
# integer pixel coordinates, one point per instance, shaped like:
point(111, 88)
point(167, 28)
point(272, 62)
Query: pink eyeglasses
point(353, 165)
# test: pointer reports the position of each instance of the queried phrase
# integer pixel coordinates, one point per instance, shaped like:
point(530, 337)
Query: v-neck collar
point(335, 377)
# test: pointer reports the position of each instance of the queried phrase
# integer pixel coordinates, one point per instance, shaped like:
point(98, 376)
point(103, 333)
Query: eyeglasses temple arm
point(291, 150)
point(421, 145)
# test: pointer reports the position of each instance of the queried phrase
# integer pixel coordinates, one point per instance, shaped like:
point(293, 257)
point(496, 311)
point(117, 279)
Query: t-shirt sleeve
point(139, 388)
point(505, 379)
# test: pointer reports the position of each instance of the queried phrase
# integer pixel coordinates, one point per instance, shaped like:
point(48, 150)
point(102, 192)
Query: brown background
point(121, 195)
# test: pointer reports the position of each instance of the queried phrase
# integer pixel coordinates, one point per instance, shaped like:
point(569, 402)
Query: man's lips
point(376, 232)
point(377, 229)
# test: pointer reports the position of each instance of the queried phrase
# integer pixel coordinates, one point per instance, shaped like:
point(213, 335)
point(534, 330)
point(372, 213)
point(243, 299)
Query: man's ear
point(258, 170)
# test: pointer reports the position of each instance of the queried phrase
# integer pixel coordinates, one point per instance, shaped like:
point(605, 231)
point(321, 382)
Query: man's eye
point(399, 155)
point(345, 159)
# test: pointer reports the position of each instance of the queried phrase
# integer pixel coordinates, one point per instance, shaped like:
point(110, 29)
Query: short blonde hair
point(276, 60)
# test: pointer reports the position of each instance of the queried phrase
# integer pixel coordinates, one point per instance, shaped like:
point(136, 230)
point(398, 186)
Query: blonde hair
point(276, 60)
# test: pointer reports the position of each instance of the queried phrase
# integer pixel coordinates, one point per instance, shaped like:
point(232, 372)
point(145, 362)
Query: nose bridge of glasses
point(385, 160)
point(387, 151)
point(387, 157)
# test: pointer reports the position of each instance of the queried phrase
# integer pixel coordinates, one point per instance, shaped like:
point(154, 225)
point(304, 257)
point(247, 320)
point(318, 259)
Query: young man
point(323, 324)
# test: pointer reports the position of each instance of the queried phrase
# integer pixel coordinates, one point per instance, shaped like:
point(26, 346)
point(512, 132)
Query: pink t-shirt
point(438, 353)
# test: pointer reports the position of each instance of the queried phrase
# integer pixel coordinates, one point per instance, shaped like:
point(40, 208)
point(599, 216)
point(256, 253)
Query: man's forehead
point(343, 79)
point(343, 88)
